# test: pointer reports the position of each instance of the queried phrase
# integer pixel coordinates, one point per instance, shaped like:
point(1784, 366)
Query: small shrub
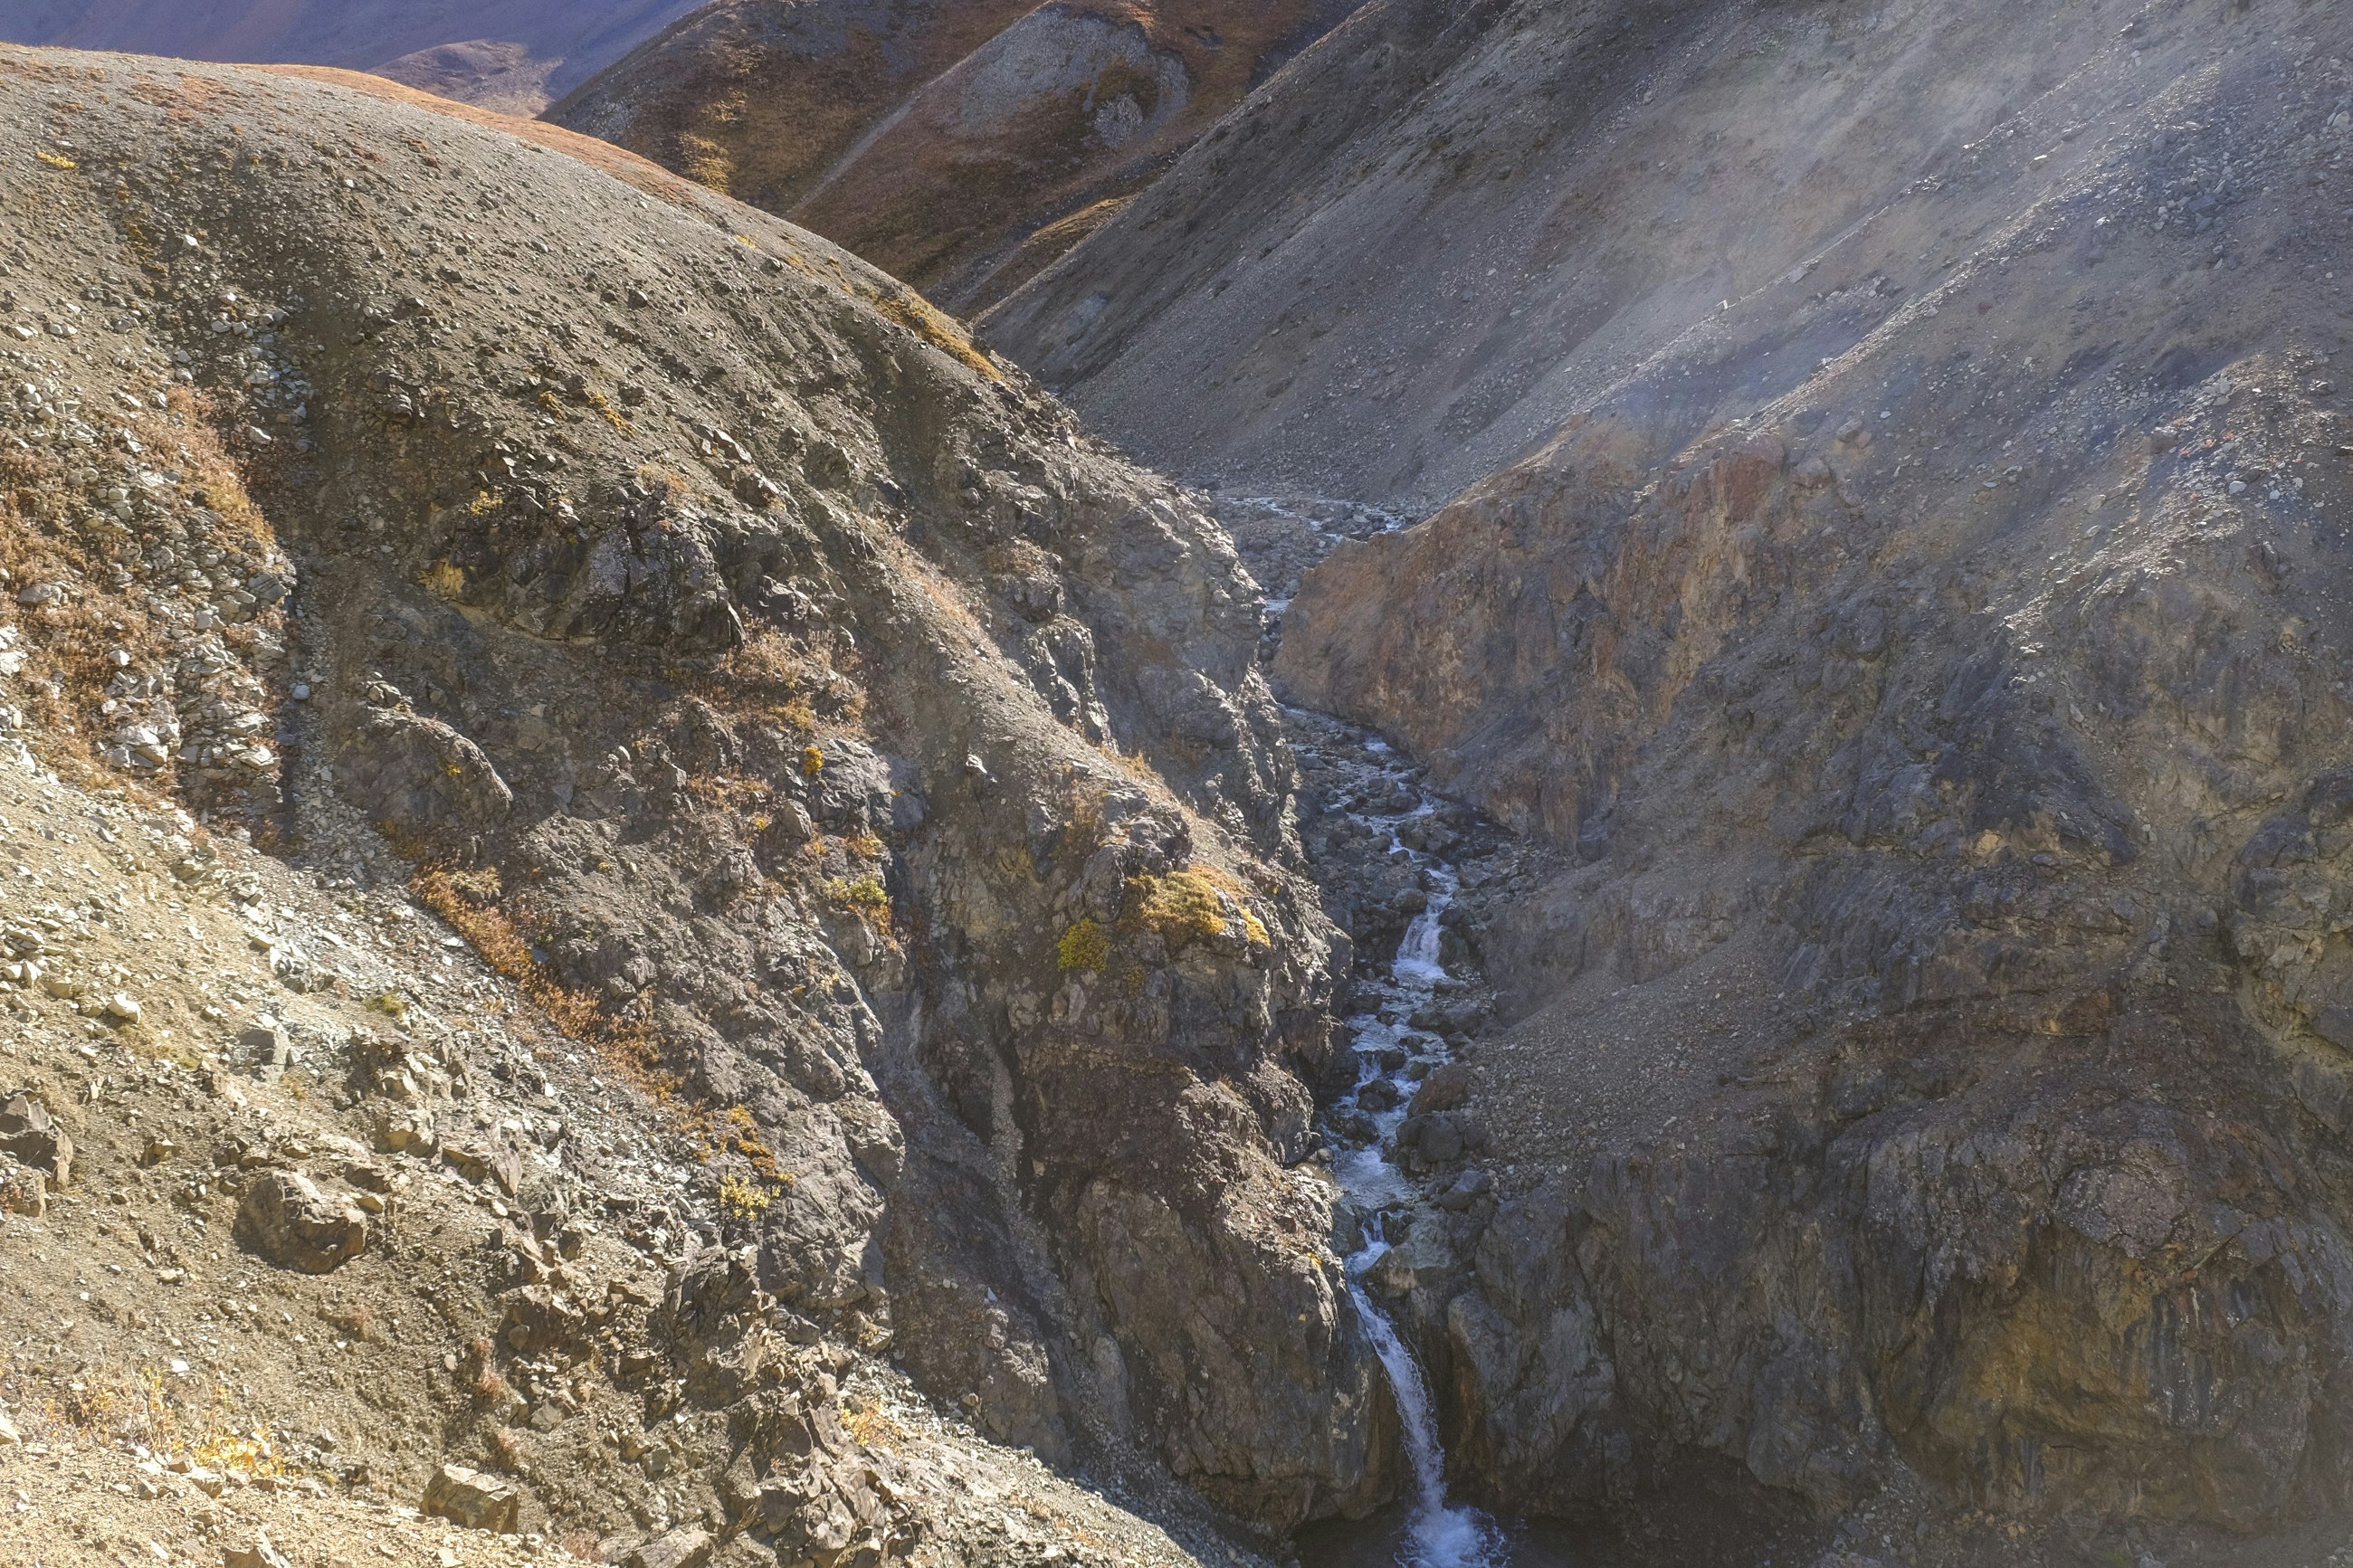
point(741, 1136)
point(862, 896)
point(766, 677)
point(487, 1387)
point(1180, 907)
point(742, 1200)
point(613, 416)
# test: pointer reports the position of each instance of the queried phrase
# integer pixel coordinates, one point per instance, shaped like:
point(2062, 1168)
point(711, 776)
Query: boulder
point(1391, 1274)
point(821, 1512)
point(474, 1498)
point(287, 1219)
point(265, 1047)
point(539, 1319)
point(29, 1133)
point(23, 1189)
point(688, 1548)
point(256, 1553)
point(1445, 1088)
point(421, 776)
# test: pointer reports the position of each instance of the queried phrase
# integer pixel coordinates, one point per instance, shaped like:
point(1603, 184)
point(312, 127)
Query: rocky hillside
point(510, 55)
point(743, 857)
point(1888, 525)
point(1449, 229)
point(960, 147)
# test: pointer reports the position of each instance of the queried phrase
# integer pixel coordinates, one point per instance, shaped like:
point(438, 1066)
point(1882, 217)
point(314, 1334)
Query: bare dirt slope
point(860, 782)
point(511, 55)
point(959, 147)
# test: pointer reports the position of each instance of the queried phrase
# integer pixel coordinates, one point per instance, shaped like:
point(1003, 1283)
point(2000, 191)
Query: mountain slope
point(866, 775)
point(1888, 521)
point(511, 55)
point(959, 147)
point(1450, 229)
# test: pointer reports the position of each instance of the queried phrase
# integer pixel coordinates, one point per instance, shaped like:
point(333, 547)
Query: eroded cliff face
point(1932, 1069)
point(810, 718)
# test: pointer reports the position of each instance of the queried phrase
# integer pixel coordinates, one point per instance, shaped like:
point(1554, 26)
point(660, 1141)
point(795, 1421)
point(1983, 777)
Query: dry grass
point(469, 903)
point(767, 677)
point(485, 1386)
point(706, 161)
point(935, 326)
point(141, 1409)
point(506, 1448)
point(613, 416)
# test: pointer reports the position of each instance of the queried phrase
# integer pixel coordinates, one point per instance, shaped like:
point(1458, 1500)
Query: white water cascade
point(1438, 1534)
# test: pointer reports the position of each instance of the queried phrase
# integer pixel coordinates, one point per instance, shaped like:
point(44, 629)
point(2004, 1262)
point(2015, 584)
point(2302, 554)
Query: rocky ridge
point(168, 1376)
point(1980, 1103)
point(864, 777)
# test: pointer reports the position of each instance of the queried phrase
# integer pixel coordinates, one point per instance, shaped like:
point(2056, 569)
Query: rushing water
point(1437, 1534)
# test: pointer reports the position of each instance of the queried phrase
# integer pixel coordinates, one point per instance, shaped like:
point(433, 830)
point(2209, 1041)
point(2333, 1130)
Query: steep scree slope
point(789, 700)
point(960, 147)
point(511, 55)
point(1922, 619)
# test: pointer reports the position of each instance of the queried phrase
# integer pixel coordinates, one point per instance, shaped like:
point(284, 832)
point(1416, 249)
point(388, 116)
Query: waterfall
point(1417, 956)
point(1437, 1536)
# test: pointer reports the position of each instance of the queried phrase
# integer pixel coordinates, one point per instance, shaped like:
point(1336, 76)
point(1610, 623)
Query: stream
point(1435, 1534)
point(1281, 537)
point(1382, 792)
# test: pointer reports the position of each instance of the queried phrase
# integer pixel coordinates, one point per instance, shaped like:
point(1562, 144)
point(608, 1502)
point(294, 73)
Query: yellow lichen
point(1084, 946)
point(1192, 906)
